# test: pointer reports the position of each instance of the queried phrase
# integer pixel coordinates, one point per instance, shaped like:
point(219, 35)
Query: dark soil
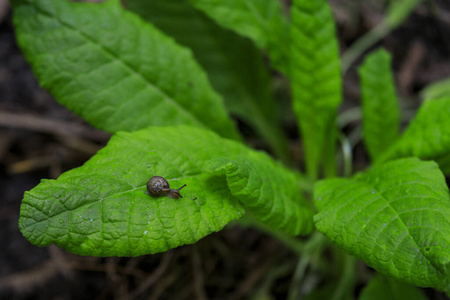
point(236, 263)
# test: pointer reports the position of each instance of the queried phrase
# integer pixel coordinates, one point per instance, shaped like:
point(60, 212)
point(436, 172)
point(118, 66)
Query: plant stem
point(289, 241)
point(275, 138)
point(346, 155)
point(347, 279)
point(306, 185)
point(397, 12)
point(361, 45)
point(329, 152)
point(313, 246)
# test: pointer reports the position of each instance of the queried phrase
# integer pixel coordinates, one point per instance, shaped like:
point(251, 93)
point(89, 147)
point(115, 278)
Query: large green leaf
point(260, 20)
point(113, 69)
point(396, 217)
point(381, 115)
point(102, 208)
point(267, 195)
point(234, 65)
point(427, 136)
point(381, 287)
point(316, 81)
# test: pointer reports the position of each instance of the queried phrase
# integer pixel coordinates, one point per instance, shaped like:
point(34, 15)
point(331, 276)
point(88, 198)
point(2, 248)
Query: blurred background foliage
point(41, 139)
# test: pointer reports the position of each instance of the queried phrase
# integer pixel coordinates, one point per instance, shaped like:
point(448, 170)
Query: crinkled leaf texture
point(396, 217)
point(103, 209)
point(270, 198)
point(382, 287)
point(381, 114)
point(427, 136)
point(115, 70)
point(316, 81)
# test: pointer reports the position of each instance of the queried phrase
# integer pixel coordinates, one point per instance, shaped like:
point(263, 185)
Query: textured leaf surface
point(233, 64)
point(260, 20)
point(381, 287)
point(396, 217)
point(316, 80)
point(113, 69)
point(427, 136)
point(381, 115)
point(102, 208)
point(268, 195)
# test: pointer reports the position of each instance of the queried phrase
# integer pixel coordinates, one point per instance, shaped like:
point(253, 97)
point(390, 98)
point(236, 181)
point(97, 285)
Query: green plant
point(125, 76)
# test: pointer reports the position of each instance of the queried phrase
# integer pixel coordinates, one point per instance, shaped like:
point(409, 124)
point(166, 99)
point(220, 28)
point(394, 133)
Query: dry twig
point(155, 276)
point(56, 127)
point(199, 287)
point(409, 67)
point(249, 283)
point(25, 281)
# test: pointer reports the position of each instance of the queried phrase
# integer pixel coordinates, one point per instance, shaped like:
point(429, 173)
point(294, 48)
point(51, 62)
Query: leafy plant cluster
point(166, 87)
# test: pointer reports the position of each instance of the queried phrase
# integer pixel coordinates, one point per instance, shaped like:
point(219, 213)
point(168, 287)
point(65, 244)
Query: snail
point(158, 186)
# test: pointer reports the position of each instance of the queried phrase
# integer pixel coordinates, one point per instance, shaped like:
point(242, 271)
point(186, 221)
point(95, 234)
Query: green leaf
point(316, 81)
point(427, 136)
point(269, 196)
point(436, 90)
point(116, 71)
point(381, 115)
point(396, 217)
point(102, 208)
point(234, 65)
point(260, 20)
point(381, 287)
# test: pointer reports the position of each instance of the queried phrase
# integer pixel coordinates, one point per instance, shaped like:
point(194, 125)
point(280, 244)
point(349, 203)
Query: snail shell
point(158, 186)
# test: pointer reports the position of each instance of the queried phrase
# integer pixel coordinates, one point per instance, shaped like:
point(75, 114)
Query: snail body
point(158, 186)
